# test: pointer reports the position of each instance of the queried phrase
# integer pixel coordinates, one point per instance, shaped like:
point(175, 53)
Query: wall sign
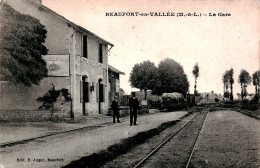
point(57, 65)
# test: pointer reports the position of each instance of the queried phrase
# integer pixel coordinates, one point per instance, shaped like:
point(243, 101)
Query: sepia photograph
point(112, 83)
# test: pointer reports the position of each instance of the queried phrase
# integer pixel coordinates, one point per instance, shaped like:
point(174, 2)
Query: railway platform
point(61, 148)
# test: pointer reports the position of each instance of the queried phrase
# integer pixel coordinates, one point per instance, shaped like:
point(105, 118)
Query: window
point(85, 46)
point(100, 60)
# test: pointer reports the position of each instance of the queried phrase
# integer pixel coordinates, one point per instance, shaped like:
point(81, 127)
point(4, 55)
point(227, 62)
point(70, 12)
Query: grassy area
point(228, 140)
point(254, 114)
point(247, 108)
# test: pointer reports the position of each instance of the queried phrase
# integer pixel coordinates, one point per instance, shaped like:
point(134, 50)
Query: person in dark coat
point(115, 109)
point(134, 106)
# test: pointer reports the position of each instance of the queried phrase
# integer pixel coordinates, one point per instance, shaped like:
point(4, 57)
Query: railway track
point(162, 156)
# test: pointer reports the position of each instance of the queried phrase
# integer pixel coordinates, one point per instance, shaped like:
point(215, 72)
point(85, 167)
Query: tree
point(225, 82)
point(121, 93)
point(21, 47)
point(172, 77)
point(244, 79)
point(256, 81)
point(231, 82)
point(51, 96)
point(228, 80)
point(239, 95)
point(195, 72)
point(227, 94)
point(144, 76)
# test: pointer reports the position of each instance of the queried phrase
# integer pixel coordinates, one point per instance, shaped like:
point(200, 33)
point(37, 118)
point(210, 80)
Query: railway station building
point(77, 60)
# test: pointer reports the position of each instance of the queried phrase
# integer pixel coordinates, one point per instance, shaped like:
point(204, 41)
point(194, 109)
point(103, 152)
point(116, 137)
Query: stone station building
point(77, 60)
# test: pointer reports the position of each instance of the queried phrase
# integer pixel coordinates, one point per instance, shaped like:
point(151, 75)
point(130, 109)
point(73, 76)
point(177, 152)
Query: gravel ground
point(139, 152)
point(72, 146)
point(229, 139)
point(176, 152)
point(15, 131)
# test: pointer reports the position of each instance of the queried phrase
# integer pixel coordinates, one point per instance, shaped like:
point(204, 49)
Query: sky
point(216, 43)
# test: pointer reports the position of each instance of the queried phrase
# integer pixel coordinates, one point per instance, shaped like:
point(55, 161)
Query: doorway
point(85, 92)
point(100, 95)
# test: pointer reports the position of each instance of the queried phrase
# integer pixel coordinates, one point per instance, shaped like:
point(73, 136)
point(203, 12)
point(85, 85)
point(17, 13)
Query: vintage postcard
point(110, 83)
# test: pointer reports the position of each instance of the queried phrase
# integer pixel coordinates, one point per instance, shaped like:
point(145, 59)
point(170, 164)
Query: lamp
point(92, 88)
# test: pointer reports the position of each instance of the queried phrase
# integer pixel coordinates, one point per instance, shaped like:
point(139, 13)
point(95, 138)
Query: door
point(100, 95)
point(85, 94)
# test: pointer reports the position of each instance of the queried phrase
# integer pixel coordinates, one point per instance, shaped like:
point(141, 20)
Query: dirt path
point(65, 148)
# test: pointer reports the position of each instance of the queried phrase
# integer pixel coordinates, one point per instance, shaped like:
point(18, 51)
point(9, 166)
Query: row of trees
point(169, 76)
point(244, 79)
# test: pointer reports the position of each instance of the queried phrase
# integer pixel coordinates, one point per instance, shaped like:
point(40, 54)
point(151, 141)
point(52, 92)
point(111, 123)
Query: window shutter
point(100, 53)
point(81, 94)
point(97, 92)
point(85, 46)
point(103, 92)
point(87, 92)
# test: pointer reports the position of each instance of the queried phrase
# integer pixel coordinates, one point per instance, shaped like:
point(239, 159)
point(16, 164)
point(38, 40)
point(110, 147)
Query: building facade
point(77, 60)
point(113, 83)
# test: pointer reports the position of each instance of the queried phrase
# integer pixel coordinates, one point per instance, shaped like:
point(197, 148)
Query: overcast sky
point(216, 43)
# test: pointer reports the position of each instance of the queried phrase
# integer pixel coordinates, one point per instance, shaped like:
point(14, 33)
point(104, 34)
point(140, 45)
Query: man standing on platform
point(134, 106)
point(115, 109)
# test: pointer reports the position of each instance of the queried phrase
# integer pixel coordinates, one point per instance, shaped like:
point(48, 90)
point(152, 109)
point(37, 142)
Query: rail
point(172, 135)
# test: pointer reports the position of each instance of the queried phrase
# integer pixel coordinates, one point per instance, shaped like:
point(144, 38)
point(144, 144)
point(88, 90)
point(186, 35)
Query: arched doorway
point(85, 92)
point(100, 94)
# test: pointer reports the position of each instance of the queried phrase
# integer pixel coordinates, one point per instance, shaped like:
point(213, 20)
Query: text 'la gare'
point(220, 14)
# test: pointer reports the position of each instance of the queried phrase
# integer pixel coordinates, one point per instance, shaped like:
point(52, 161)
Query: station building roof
point(77, 27)
point(115, 70)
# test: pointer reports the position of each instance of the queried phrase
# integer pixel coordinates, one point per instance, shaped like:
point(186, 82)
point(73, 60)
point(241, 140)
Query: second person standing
point(134, 106)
